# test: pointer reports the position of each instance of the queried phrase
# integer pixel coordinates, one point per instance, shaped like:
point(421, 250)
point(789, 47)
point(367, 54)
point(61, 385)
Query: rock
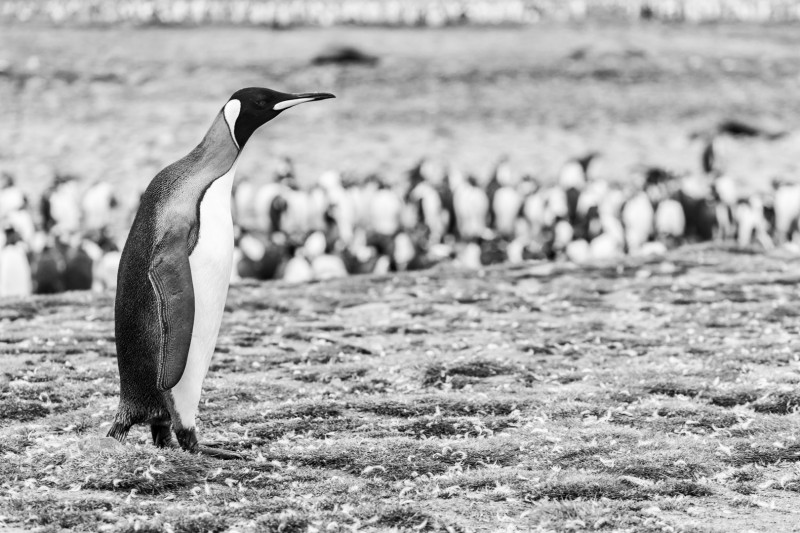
point(344, 55)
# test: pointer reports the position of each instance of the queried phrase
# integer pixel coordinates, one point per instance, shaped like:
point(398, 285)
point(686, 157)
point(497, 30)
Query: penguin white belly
point(15, 272)
point(210, 263)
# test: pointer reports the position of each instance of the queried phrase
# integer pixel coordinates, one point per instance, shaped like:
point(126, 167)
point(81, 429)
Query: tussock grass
point(779, 404)
point(586, 487)
point(439, 374)
point(532, 403)
point(764, 454)
point(402, 458)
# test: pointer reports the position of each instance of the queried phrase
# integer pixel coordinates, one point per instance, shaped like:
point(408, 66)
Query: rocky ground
point(642, 396)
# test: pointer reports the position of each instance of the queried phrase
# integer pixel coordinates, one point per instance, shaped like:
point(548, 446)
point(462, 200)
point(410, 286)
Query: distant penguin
point(385, 211)
point(430, 209)
point(471, 209)
point(578, 251)
point(23, 224)
point(323, 265)
point(787, 211)
point(501, 177)
point(78, 268)
point(751, 223)
point(670, 221)
point(15, 270)
point(61, 206)
point(49, 268)
point(698, 207)
point(98, 204)
point(11, 196)
point(106, 270)
point(244, 203)
point(267, 211)
point(637, 218)
point(296, 217)
point(298, 269)
point(726, 194)
point(506, 206)
point(174, 275)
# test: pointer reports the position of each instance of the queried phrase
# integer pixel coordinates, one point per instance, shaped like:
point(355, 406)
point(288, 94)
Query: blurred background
point(588, 115)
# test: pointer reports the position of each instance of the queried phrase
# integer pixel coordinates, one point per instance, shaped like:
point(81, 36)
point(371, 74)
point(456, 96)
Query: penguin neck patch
point(231, 113)
point(286, 104)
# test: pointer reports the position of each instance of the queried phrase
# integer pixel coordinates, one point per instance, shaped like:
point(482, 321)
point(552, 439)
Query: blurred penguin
point(670, 222)
point(261, 257)
point(637, 219)
point(15, 270)
point(268, 206)
point(78, 266)
point(786, 203)
point(751, 223)
point(506, 209)
point(471, 206)
point(323, 264)
point(726, 195)
point(245, 194)
point(61, 205)
point(11, 196)
point(48, 270)
point(98, 204)
point(298, 269)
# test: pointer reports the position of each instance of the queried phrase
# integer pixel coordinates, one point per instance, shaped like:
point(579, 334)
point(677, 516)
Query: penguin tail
point(119, 431)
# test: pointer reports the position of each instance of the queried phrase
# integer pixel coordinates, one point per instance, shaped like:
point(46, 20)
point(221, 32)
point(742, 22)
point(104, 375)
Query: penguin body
point(670, 221)
point(506, 206)
point(162, 327)
point(174, 275)
point(637, 217)
point(78, 269)
point(298, 270)
point(97, 204)
point(15, 270)
point(49, 269)
point(471, 210)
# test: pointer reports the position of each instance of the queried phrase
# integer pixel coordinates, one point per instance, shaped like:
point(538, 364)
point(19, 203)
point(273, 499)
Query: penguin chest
point(210, 263)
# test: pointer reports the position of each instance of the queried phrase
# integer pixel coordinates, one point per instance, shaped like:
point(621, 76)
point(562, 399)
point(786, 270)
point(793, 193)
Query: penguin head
point(249, 109)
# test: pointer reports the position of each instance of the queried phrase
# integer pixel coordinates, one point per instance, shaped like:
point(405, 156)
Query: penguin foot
point(162, 435)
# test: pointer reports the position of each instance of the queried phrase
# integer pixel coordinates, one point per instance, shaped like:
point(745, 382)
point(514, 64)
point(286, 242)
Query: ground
point(122, 103)
point(641, 396)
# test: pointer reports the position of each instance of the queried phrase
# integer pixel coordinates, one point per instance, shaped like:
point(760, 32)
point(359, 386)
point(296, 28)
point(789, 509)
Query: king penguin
point(174, 274)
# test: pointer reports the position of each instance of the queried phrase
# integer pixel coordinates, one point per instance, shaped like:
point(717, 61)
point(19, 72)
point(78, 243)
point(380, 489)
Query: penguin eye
point(261, 104)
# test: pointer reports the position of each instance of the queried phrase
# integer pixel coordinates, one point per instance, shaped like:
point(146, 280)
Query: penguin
point(98, 204)
point(15, 270)
point(48, 271)
point(244, 206)
point(638, 218)
point(61, 205)
point(471, 209)
point(174, 275)
point(78, 268)
point(11, 196)
point(670, 221)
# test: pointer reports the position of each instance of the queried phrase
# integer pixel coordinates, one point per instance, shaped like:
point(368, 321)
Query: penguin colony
point(358, 225)
point(395, 13)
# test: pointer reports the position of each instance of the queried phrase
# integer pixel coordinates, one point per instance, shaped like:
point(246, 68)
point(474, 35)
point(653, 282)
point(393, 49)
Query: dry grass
point(561, 399)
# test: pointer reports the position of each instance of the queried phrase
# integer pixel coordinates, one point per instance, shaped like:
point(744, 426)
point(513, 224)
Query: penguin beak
point(295, 99)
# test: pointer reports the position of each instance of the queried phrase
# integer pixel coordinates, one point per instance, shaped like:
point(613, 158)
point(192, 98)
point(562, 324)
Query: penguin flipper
point(171, 277)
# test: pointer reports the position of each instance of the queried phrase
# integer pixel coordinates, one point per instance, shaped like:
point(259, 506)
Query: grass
point(555, 417)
